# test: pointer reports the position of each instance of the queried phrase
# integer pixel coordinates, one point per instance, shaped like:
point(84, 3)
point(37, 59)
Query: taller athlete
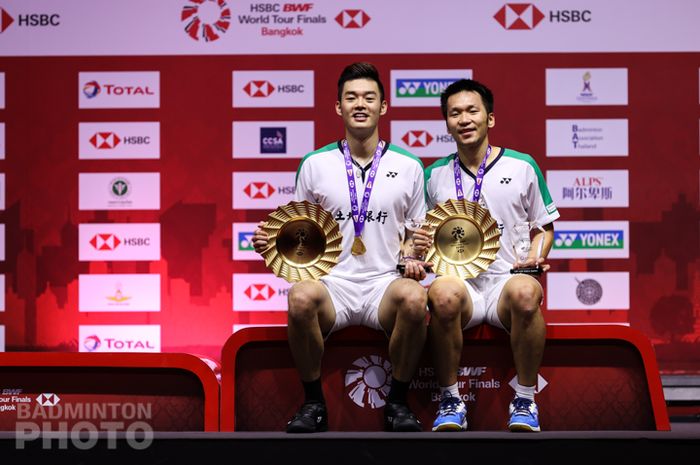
point(514, 191)
point(372, 188)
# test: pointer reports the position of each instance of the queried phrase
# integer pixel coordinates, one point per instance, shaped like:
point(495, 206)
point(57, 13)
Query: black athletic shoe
point(312, 417)
point(398, 417)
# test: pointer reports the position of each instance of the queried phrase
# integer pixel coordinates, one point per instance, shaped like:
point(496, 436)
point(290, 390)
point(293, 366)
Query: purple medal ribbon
point(479, 177)
point(358, 216)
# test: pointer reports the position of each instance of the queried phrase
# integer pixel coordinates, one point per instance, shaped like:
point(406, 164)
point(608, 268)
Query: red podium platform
point(167, 392)
point(602, 377)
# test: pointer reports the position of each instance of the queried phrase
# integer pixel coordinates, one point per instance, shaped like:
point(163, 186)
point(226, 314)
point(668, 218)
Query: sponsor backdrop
point(135, 162)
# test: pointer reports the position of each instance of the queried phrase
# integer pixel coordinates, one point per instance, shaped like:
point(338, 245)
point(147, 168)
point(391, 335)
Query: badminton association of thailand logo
point(368, 381)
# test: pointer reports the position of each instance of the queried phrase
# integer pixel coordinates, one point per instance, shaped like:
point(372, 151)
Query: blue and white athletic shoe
point(451, 416)
point(523, 415)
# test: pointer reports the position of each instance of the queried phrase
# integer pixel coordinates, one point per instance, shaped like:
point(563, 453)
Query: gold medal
point(358, 247)
point(466, 238)
point(304, 241)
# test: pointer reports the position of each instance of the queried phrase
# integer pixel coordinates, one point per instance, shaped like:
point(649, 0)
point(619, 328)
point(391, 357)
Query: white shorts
point(357, 304)
point(485, 291)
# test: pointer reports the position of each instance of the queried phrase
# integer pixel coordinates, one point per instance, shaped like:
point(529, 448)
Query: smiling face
point(360, 106)
point(468, 120)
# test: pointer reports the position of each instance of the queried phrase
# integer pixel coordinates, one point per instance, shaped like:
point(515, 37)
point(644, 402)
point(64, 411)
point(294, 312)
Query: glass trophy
point(413, 225)
point(522, 245)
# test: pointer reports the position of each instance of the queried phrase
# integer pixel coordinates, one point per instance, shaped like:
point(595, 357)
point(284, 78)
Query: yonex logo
point(259, 190)
point(367, 381)
point(259, 292)
point(589, 239)
point(47, 399)
point(421, 87)
point(105, 140)
point(391, 174)
point(259, 88)
point(206, 19)
point(417, 138)
point(91, 89)
point(105, 241)
point(352, 19)
point(519, 16)
point(506, 180)
point(245, 241)
point(5, 20)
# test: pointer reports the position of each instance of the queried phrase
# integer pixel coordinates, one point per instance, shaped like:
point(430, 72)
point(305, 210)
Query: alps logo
point(47, 399)
point(105, 140)
point(417, 138)
point(352, 19)
point(259, 88)
point(524, 16)
point(259, 292)
point(206, 20)
point(259, 190)
point(105, 241)
point(28, 20)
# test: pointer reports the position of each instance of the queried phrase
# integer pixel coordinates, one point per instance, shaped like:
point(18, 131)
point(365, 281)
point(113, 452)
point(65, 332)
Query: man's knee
point(304, 300)
point(447, 298)
point(525, 297)
point(411, 302)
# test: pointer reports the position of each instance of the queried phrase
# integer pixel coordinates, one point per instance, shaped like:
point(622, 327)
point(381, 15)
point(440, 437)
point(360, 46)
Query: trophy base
point(532, 270)
point(402, 268)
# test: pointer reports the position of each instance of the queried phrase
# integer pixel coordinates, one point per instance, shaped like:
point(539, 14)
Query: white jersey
point(513, 190)
point(396, 196)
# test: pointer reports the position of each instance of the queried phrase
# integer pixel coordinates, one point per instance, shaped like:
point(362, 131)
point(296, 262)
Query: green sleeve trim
point(327, 148)
point(429, 171)
point(542, 184)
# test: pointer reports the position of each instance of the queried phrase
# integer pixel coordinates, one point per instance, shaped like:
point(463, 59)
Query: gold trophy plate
point(304, 241)
point(466, 238)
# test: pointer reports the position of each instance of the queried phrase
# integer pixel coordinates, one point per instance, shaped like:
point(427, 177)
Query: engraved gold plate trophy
point(465, 239)
point(304, 241)
point(522, 244)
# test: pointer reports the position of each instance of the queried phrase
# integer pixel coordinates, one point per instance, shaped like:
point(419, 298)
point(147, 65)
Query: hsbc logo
point(259, 292)
point(259, 190)
point(47, 399)
point(105, 241)
point(259, 88)
point(28, 20)
point(352, 19)
point(524, 16)
point(417, 138)
point(105, 140)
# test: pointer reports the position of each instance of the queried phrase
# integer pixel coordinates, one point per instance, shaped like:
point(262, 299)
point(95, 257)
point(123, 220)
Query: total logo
point(93, 342)
point(417, 138)
point(520, 16)
point(259, 292)
point(28, 20)
point(92, 89)
point(206, 20)
point(367, 381)
point(259, 190)
point(352, 19)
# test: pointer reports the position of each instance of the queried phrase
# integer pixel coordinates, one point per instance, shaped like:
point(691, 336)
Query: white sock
point(449, 391)
point(527, 392)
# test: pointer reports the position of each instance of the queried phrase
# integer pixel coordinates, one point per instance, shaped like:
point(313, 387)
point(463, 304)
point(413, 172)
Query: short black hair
point(361, 70)
point(468, 85)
